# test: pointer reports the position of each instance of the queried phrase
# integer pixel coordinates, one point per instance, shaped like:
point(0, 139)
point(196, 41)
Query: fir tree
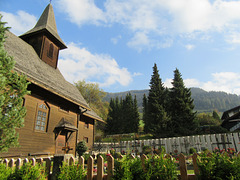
point(13, 88)
point(127, 122)
point(181, 107)
point(109, 128)
point(157, 117)
point(136, 117)
point(123, 116)
point(145, 114)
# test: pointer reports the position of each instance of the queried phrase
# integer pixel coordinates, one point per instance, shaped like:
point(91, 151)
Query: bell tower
point(44, 38)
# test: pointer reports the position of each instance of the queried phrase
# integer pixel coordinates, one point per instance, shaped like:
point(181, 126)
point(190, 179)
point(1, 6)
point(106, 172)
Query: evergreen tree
point(215, 115)
point(181, 103)
point(136, 117)
point(145, 114)
point(110, 127)
point(157, 117)
point(13, 88)
point(123, 116)
point(127, 114)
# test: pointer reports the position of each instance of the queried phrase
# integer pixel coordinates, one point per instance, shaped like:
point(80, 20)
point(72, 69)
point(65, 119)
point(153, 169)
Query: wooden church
point(57, 117)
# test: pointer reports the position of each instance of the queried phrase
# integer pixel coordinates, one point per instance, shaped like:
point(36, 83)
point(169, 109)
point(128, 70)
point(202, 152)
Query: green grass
point(188, 172)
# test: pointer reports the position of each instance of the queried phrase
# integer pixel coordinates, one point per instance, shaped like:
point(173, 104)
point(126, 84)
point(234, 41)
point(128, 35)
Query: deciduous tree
point(94, 97)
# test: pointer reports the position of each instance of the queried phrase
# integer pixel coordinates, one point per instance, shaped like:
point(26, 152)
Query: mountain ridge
point(204, 101)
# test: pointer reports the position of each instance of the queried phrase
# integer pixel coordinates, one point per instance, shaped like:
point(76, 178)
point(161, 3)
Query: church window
point(50, 51)
point(42, 117)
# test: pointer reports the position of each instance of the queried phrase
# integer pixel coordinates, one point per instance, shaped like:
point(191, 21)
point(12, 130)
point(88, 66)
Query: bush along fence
point(216, 165)
point(179, 144)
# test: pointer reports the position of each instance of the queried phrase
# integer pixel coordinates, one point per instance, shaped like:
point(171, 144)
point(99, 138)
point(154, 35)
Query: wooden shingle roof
point(46, 23)
point(43, 75)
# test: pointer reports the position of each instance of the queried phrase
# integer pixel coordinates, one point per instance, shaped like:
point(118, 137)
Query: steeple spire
point(46, 23)
point(44, 38)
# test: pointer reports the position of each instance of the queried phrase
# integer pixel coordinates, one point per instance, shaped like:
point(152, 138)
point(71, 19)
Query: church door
point(60, 144)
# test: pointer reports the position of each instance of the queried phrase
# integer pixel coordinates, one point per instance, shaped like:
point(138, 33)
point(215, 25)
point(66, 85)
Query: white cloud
point(81, 12)
point(233, 38)
point(20, 22)
point(189, 46)
point(222, 81)
point(150, 21)
point(115, 40)
point(78, 63)
point(137, 74)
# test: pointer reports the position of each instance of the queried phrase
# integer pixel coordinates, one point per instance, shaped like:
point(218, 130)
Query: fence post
point(110, 167)
point(71, 161)
point(48, 166)
point(25, 161)
point(33, 160)
point(81, 161)
point(100, 165)
point(90, 168)
point(143, 159)
point(183, 167)
point(5, 162)
point(40, 161)
point(195, 166)
point(11, 163)
point(18, 163)
point(132, 156)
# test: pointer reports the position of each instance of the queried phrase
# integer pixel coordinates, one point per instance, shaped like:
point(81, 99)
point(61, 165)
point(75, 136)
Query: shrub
point(71, 172)
point(5, 172)
point(128, 168)
point(81, 148)
point(28, 171)
point(146, 149)
point(159, 167)
point(192, 150)
point(218, 166)
point(156, 167)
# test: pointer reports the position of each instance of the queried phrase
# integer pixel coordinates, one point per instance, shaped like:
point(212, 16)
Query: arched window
point(42, 117)
point(50, 51)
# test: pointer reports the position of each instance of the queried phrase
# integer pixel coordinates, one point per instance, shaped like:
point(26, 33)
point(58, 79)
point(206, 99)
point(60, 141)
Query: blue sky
point(116, 42)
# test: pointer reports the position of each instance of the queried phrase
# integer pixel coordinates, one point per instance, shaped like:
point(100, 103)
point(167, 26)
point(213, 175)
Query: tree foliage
point(157, 118)
point(168, 112)
point(94, 97)
point(13, 88)
point(123, 116)
point(181, 107)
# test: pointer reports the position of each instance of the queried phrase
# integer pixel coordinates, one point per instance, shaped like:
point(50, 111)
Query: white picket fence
point(181, 144)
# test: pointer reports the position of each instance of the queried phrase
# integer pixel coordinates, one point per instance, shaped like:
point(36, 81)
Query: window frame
point(50, 51)
point(39, 117)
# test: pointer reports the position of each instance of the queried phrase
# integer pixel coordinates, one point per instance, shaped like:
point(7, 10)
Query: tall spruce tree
point(128, 114)
point(123, 116)
point(157, 117)
point(13, 88)
point(110, 126)
point(145, 114)
point(136, 117)
point(181, 107)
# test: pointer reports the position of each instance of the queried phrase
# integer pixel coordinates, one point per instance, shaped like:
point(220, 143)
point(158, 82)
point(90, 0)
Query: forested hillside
point(204, 101)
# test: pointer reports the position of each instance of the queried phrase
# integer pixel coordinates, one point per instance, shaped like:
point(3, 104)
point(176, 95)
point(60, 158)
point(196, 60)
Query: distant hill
point(204, 101)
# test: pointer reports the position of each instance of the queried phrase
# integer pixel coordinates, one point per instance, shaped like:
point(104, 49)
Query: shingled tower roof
point(47, 24)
